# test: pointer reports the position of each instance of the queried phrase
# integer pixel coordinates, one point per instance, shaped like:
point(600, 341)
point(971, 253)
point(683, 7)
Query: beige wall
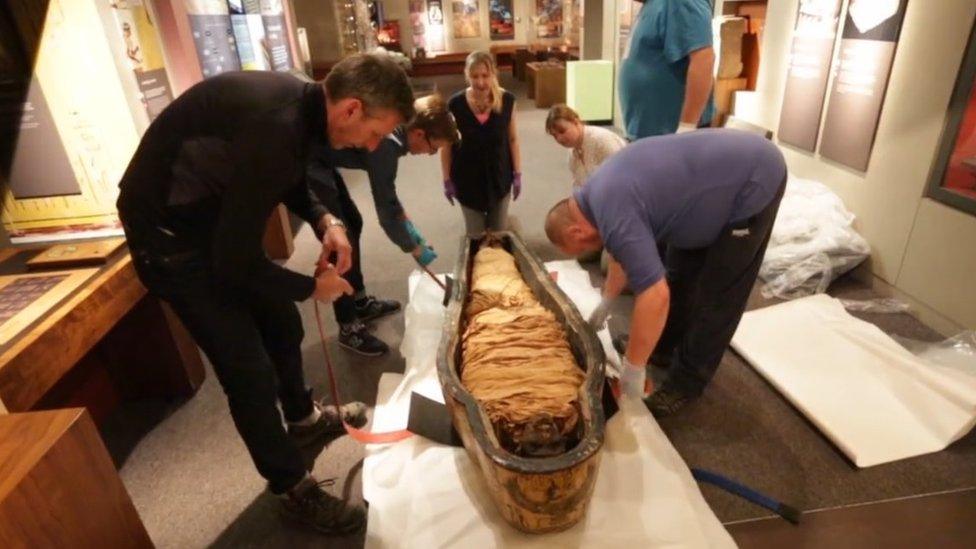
point(319, 19)
point(922, 248)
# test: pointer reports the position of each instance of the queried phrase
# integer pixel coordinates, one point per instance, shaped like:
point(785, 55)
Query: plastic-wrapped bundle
point(517, 361)
point(813, 242)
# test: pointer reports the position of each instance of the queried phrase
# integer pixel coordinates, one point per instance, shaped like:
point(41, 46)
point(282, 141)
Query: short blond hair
point(560, 111)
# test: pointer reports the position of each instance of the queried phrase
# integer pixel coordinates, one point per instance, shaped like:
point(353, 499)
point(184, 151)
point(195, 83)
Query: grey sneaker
point(329, 423)
point(356, 337)
point(309, 504)
point(370, 307)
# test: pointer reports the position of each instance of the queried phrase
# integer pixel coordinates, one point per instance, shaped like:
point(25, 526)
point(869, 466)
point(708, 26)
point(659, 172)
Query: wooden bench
point(445, 63)
point(546, 83)
point(504, 55)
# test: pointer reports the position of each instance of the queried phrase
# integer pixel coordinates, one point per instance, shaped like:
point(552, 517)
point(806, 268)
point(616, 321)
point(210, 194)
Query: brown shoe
point(309, 504)
point(353, 413)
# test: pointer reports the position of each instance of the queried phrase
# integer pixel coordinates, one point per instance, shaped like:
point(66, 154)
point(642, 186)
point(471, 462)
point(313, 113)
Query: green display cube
point(589, 89)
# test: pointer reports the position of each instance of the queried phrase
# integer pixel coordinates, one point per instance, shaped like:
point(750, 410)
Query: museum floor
point(193, 484)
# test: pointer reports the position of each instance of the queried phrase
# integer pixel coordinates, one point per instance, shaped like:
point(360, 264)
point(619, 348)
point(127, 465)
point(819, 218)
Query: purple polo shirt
point(679, 189)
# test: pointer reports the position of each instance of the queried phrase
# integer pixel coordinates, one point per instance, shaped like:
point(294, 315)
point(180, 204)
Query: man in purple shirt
point(712, 197)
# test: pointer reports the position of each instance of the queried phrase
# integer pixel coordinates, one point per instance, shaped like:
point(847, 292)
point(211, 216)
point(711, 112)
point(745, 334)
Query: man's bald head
point(569, 230)
point(559, 218)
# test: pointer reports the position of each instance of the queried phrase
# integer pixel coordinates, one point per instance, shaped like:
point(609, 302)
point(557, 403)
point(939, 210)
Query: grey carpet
point(194, 486)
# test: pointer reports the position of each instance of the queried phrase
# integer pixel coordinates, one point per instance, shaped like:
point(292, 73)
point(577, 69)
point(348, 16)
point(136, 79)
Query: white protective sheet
point(424, 494)
point(872, 398)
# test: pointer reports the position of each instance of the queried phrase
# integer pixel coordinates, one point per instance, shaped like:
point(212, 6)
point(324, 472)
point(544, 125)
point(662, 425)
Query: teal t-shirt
point(652, 77)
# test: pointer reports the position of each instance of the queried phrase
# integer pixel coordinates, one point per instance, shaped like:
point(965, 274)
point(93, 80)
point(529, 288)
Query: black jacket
point(481, 163)
point(212, 167)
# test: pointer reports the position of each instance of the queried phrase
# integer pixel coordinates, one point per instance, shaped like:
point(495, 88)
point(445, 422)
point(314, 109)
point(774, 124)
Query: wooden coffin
point(534, 494)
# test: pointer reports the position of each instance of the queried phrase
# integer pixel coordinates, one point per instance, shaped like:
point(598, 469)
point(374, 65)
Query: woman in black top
point(482, 170)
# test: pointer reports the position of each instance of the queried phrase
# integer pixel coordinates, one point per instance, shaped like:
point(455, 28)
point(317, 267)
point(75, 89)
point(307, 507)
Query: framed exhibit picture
point(144, 53)
point(466, 22)
point(549, 18)
point(953, 177)
point(418, 20)
point(501, 21)
point(435, 12)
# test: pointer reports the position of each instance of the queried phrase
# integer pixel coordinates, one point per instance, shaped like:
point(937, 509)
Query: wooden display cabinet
point(59, 487)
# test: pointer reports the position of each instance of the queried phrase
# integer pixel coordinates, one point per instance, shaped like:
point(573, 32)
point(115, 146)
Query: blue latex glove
point(516, 186)
point(450, 192)
point(414, 233)
point(427, 256)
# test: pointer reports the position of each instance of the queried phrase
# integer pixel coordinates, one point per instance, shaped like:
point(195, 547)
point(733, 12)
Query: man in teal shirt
point(666, 77)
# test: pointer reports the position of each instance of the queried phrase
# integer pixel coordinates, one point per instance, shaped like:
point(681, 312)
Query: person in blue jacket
point(431, 129)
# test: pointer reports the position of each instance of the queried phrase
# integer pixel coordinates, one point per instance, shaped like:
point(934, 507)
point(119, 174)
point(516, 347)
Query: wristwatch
point(333, 221)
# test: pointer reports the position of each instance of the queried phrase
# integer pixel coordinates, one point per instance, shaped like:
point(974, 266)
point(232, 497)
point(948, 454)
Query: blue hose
point(788, 512)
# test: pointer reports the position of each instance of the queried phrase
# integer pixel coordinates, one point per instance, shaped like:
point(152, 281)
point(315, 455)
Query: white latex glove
point(685, 127)
point(632, 379)
point(599, 315)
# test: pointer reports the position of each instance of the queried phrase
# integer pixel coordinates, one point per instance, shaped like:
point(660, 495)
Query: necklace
point(477, 105)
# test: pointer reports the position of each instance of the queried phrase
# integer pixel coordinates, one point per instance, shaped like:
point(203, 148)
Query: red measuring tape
point(360, 435)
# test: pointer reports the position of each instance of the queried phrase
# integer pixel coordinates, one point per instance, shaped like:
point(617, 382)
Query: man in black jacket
point(194, 202)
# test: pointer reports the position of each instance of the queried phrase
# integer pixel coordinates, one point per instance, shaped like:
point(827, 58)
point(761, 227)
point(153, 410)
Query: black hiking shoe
point(309, 504)
point(356, 337)
point(329, 422)
point(370, 308)
point(666, 401)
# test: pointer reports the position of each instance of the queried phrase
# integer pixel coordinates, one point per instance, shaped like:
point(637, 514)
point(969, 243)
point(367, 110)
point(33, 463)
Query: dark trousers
point(710, 288)
point(340, 204)
point(254, 345)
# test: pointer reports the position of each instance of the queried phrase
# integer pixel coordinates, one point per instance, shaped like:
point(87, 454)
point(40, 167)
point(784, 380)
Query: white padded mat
point(872, 398)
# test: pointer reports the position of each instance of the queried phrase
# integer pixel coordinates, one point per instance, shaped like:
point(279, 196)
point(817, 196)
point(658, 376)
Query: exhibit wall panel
point(94, 126)
point(181, 57)
point(887, 197)
point(321, 27)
